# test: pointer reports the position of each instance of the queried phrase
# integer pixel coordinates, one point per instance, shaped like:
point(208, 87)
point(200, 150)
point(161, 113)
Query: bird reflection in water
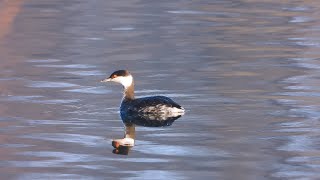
point(123, 146)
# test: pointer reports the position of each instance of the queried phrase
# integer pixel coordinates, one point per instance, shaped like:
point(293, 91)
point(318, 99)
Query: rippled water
point(246, 71)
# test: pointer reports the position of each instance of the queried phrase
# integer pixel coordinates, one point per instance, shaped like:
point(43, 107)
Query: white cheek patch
point(125, 81)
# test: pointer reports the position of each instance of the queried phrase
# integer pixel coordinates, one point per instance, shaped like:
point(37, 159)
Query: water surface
point(247, 72)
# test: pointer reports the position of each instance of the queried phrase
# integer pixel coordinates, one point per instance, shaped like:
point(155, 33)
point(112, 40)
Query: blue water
point(246, 72)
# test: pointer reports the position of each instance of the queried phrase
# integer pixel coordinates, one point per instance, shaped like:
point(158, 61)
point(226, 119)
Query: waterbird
point(144, 105)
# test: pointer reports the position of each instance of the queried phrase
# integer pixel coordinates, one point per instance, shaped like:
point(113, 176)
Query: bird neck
point(128, 93)
point(130, 131)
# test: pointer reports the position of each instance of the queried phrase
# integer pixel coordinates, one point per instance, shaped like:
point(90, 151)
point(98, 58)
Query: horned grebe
point(152, 104)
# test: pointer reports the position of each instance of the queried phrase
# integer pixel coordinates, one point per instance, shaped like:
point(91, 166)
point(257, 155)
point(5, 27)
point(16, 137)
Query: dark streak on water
point(246, 71)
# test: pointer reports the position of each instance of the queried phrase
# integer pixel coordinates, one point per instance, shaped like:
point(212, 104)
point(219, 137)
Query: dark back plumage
point(148, 120)
point(152, 104)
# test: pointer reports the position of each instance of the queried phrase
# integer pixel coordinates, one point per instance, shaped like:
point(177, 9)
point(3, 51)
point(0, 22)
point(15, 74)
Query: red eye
point(114, 76)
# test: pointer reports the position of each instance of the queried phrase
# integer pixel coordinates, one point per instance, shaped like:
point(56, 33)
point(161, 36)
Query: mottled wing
point(155, 101)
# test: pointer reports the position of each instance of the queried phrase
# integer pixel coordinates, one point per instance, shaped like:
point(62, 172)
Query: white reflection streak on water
point(154, 174)
point(303, 97)
point(86, 140)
